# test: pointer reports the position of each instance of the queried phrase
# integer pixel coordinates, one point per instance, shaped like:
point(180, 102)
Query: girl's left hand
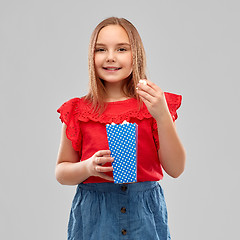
point(154, 99)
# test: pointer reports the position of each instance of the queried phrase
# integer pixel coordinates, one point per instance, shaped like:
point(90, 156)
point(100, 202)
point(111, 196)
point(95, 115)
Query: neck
point(114, 92)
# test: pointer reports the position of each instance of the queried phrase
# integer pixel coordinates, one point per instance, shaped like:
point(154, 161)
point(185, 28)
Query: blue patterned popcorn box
point(122, 141)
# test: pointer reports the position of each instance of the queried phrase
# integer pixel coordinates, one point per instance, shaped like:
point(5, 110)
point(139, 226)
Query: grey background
point(192, 49)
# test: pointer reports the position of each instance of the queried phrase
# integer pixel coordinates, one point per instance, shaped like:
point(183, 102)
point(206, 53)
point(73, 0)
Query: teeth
point(112, 68)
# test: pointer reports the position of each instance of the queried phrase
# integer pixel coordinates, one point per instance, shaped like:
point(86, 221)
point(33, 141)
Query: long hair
point(97, 90)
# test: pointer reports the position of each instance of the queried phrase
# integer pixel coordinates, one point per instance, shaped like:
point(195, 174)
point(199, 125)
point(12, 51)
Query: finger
point(145, 96)
point(103, 169)
point(146, 102)
point(105, 176)
point(100, 153)
point(107, 155)
point(147, 83)
point(153, 85)
point(148, 89)
point(155, 89)
point(103, 160)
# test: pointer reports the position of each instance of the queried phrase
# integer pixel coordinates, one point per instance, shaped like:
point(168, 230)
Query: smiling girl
point(118, 90)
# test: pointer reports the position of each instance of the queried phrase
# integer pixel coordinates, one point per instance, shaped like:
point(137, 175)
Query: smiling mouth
point(111, 68)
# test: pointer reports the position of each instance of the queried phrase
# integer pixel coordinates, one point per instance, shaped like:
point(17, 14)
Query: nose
point(110, 56)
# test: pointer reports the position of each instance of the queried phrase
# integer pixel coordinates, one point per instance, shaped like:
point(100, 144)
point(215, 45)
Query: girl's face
point(113, 55)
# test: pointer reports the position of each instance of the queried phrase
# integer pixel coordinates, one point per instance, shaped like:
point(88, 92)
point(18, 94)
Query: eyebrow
point(119, 44)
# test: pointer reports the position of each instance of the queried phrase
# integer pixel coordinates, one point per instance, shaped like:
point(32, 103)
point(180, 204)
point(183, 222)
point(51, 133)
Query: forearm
point(171, 153)
point(68, 173)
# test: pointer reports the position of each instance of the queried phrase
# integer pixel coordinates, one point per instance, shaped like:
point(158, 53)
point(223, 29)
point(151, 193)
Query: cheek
point(97, 61)
point(131, 64)
point(128, 61)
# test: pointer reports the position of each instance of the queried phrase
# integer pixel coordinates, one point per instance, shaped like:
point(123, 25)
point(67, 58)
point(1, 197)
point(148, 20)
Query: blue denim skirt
point(108, 211)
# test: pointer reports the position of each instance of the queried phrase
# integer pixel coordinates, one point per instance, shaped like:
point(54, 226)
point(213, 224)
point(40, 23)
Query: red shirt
point(88, 133)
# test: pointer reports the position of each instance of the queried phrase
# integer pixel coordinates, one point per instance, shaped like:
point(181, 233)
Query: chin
point(115, 79)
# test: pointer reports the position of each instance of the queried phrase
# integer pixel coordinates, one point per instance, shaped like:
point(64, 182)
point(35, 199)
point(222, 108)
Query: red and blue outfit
point(87, 132)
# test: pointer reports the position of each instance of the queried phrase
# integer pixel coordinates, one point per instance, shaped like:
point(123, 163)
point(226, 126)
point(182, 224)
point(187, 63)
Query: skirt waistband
point(112, 187)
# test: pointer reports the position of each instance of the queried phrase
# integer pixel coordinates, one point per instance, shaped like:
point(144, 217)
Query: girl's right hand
point(96, 162)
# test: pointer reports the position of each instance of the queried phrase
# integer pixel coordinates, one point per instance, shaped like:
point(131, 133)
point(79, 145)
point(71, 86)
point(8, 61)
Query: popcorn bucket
point(122, 141)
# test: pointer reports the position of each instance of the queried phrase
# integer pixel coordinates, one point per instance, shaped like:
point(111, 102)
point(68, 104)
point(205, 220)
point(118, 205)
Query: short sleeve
point(174, 102)
point(69, 115)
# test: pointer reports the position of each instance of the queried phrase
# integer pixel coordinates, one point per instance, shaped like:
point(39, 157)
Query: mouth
point(111, 68)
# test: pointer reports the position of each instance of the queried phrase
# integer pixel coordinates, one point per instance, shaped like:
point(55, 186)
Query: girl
point(101, 209)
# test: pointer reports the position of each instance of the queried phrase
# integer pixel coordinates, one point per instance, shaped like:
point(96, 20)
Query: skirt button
point(124, 232)
point(124, 188)
point(123, 210)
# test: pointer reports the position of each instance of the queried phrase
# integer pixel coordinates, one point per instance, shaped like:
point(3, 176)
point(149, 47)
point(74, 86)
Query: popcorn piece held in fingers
point(144, 82)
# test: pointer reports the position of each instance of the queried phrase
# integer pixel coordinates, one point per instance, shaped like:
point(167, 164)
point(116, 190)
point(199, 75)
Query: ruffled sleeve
point(69, 112)
point(174, 102)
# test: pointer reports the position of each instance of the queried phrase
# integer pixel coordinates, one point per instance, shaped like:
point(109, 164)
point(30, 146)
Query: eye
point(99, 50)
point(122, 49)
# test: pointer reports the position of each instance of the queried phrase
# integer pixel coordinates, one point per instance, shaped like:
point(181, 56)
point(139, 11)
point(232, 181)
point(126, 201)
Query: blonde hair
point(97, 90)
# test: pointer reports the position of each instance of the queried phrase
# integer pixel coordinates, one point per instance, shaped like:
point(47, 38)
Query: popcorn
point(144, 82)
point(122, 141)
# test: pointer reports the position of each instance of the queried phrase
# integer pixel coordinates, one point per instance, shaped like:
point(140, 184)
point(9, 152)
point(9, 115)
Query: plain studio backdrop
point(192, 49)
